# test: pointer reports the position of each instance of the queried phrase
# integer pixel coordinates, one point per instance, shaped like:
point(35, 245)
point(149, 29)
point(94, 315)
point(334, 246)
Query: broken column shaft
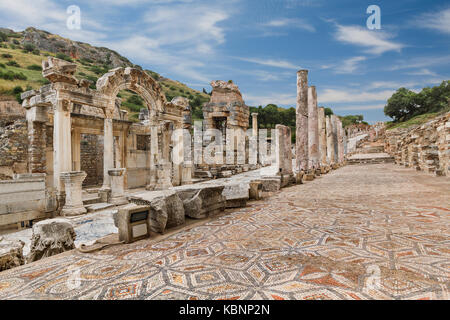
point(301, 143)
point(313, 129)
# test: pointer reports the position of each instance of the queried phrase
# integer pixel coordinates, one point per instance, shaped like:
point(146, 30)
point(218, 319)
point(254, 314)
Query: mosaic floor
point(360, 232)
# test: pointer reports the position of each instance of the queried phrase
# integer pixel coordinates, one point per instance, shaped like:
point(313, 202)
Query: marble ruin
point(164, 162)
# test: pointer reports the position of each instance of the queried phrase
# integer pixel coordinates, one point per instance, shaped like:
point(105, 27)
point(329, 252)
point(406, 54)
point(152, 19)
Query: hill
point(22, 53)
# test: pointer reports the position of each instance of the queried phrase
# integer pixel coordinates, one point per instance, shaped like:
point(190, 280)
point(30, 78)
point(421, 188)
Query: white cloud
point(291, 23)
point(19, 14)
point(186, 24)
point(423, 72)
point(272, 63)
point(360, 107)
point(145, 49)
point(275, 98)
point(337, 96)
point(439, 21)
point(377, 42)
point(421, 62)
point(350, 65)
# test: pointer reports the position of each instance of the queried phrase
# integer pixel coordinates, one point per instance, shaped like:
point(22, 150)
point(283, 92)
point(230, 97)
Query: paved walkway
point(361, 232)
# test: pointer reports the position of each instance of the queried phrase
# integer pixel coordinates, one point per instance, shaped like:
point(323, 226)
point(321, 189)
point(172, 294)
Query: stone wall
point(425, 147)
point(91, 158)
point(23, 199)
point(13, 148)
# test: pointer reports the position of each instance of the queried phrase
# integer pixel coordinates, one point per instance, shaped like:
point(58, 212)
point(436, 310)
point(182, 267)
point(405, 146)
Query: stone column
point(36, 118)
point(283, 149)
point(301, 143)
point(62, 157)
point(117, 186)
point(313, 129)
point(108, 152)
point(322, 137)
point(73, 181)
point(330, 144)
point(76, 153)
point(334, 125)
point(339, 140)
point(164, 167)
point(255, 124)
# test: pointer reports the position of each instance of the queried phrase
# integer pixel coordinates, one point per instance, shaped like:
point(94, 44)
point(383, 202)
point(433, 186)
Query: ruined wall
point(91, 158)
point(13, 148)
point(425, 147)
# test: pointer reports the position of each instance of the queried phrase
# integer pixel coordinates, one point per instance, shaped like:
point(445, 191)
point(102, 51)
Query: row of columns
point(320, 139)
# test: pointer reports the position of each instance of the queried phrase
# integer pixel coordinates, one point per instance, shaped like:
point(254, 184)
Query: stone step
point(98, 206)
point(91, 199)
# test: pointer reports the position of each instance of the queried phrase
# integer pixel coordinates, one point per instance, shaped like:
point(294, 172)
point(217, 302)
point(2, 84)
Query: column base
point(310, 176)
point(73, 211)
point(118, 201)
point(299, 177)
point(105, 194)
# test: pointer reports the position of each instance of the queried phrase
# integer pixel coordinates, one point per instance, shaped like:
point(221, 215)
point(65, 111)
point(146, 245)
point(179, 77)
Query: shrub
point(44, 81)
point(29, 47)
point(6, 56)
point(36, 52)
point(10, 75)
point(17, 89)
point(3, 37)
point(135, 99)
point(62, 56)
point(15, 41)
point(12, 46)
point(2, 66)
point(13, 64)
point(98, 70)
point(35, 67)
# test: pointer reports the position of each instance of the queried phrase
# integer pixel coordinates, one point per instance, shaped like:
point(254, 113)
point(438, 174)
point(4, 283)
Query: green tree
point(402, 105)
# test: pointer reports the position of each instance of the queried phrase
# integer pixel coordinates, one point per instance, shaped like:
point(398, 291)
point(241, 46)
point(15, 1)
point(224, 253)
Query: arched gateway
point(61, 112)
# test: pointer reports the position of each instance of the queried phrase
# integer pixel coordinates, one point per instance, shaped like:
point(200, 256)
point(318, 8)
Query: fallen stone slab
point(99, 206)
point(11, 254)
point(166, 208)
point(271, 184)
point(50, 237)
point(201, 201)
point(236, 194)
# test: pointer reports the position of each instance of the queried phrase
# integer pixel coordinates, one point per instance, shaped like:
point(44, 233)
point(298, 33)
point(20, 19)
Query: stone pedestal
point(116, 176)
point(255, 191)
point(73, 181)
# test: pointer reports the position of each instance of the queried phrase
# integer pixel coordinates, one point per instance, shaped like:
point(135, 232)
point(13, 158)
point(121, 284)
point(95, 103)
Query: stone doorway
point(91, 158)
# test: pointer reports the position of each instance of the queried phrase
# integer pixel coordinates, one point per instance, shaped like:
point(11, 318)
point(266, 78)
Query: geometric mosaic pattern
point(360, 232)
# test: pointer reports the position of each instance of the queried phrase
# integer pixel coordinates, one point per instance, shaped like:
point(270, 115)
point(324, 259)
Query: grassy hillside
point(415, 121)
point(20, 69)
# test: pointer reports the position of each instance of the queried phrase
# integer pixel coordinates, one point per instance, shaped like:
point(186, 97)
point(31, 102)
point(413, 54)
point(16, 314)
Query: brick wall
point(91, 158)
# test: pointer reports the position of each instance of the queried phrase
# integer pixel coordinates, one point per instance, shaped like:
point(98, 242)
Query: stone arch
point(135, 80)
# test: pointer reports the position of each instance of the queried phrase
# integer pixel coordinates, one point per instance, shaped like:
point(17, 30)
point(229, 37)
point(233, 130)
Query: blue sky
point(260, 44)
